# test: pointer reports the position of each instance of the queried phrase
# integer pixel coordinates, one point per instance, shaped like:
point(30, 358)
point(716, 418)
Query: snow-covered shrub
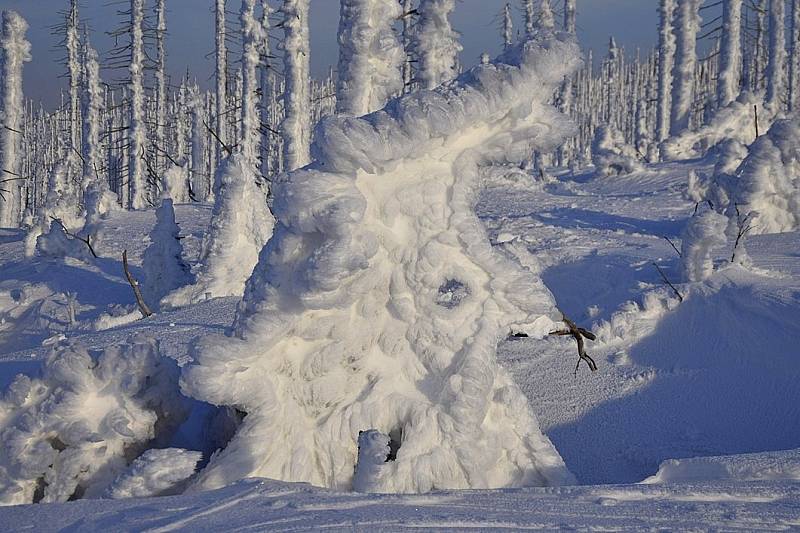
point(611, 156)
point(702, 234)
point(241, 223)
point(99, 201)
point(56, 244)
point(379, 301)
point(59, 203)
point(697, 188)
point(157, 472)
point(768, 180)
point(70, 432)
point(162, 261)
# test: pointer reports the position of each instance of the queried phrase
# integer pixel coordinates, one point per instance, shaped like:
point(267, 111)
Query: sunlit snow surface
point(715, 375)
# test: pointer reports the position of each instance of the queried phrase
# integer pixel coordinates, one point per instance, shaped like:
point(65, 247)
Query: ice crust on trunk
point(342, 327)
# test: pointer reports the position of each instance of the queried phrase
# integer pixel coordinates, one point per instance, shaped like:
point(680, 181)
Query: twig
point(146, 312)
point(578, 334)
point(673, 245)
point(85, 241)
point(664, 277)
point(744, 225)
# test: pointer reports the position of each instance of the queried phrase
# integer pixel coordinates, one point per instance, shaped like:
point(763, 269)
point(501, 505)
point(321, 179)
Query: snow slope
point(713, 376)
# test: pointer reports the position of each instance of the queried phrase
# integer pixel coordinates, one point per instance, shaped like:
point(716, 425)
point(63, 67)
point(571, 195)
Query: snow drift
point(378, 303)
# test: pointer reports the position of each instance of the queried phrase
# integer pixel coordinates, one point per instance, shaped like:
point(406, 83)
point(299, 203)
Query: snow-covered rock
point(345, 325)
point(70, 432)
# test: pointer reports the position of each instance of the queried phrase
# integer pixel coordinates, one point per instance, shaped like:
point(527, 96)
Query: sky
point(190, 39)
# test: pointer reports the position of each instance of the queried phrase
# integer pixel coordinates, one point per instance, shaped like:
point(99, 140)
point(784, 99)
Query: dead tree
point(578, 334)
point(143, 308)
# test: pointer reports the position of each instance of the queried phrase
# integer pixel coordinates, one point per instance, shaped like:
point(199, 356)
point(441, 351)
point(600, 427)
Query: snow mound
point(70, 432)
point(782, 465)
point(241, 224)
point(156, 473)
point(343, 327)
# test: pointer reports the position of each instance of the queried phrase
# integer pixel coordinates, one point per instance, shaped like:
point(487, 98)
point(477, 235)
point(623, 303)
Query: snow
point(436, 43)
point(162, 262)
point(610, 155)
point(155, 473)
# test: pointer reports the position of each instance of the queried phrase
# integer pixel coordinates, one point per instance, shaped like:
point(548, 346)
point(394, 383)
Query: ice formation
point(156, 472)
point(72, 431)
point(703, 233)
point(379, 302)
point(241, 224)
point(163, 264)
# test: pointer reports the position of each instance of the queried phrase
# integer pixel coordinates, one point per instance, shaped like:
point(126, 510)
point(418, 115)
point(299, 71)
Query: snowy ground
point(715, 375)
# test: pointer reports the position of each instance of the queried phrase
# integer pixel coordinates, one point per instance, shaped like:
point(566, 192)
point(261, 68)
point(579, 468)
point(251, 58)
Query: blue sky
point(190, 39)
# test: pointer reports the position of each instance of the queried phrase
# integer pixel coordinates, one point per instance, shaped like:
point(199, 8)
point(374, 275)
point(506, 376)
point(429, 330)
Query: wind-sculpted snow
point(378, 303)
point(70, 432)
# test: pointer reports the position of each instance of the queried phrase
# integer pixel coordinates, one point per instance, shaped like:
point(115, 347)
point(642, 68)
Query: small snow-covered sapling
point(578, 334)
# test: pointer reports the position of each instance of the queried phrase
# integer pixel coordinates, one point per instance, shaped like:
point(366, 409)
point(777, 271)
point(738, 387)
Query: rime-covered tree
point(666, 61)
point(776, 73)
point(296, 127)
point(687, 25)
point(530, 17)
point(137, 128)
point(570, 13)
point(730, 57)
point(251, 37)
point(161, 81)
point(794, 59)
point(221, 74)
point(14, 51)
point(508, 26)
point(547, 20)
point(73, 46)
point(370, 56)
point(436, 43)
point(91, 108)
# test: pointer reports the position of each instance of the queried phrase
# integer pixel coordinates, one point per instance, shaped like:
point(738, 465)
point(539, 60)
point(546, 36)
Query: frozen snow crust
point(342, 329)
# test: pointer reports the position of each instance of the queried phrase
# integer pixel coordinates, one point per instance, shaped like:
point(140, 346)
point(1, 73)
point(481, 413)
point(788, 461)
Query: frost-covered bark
point(570, 13)
point(73, 45)
point(687, 24)
point(794, 59)
point(71, 431)
point(508, 26)
point(666, 61)
point(370, 56)
point(14, 52)
point(251, 38)
point(162, 261)
point(296, 128)
point(161, 81)
point(91, 108)
point(730, 58)
point(137, 129)
point(379, 301)
point(436, 43)
point(776, 66)
point(221, 75)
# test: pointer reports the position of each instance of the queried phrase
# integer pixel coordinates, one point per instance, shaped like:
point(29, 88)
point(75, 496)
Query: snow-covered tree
point(530, 17)
point(570, 13)
point(687, 25)
point(251, 39)
point(91, 108)
point(370, 56)
point(794, 59)
point(14, 52)
point(703, 233)
point(666, 62)
point(73, 46)
point(776, 66)
point(378, 303)
point(137, 128)
point(269, 145)
point(730, 52)
point(161, 81)
point(408, 71)
point(508, 26)
point(436, 43)
point(221, 75)
point(164, 267)
point(296, 128)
